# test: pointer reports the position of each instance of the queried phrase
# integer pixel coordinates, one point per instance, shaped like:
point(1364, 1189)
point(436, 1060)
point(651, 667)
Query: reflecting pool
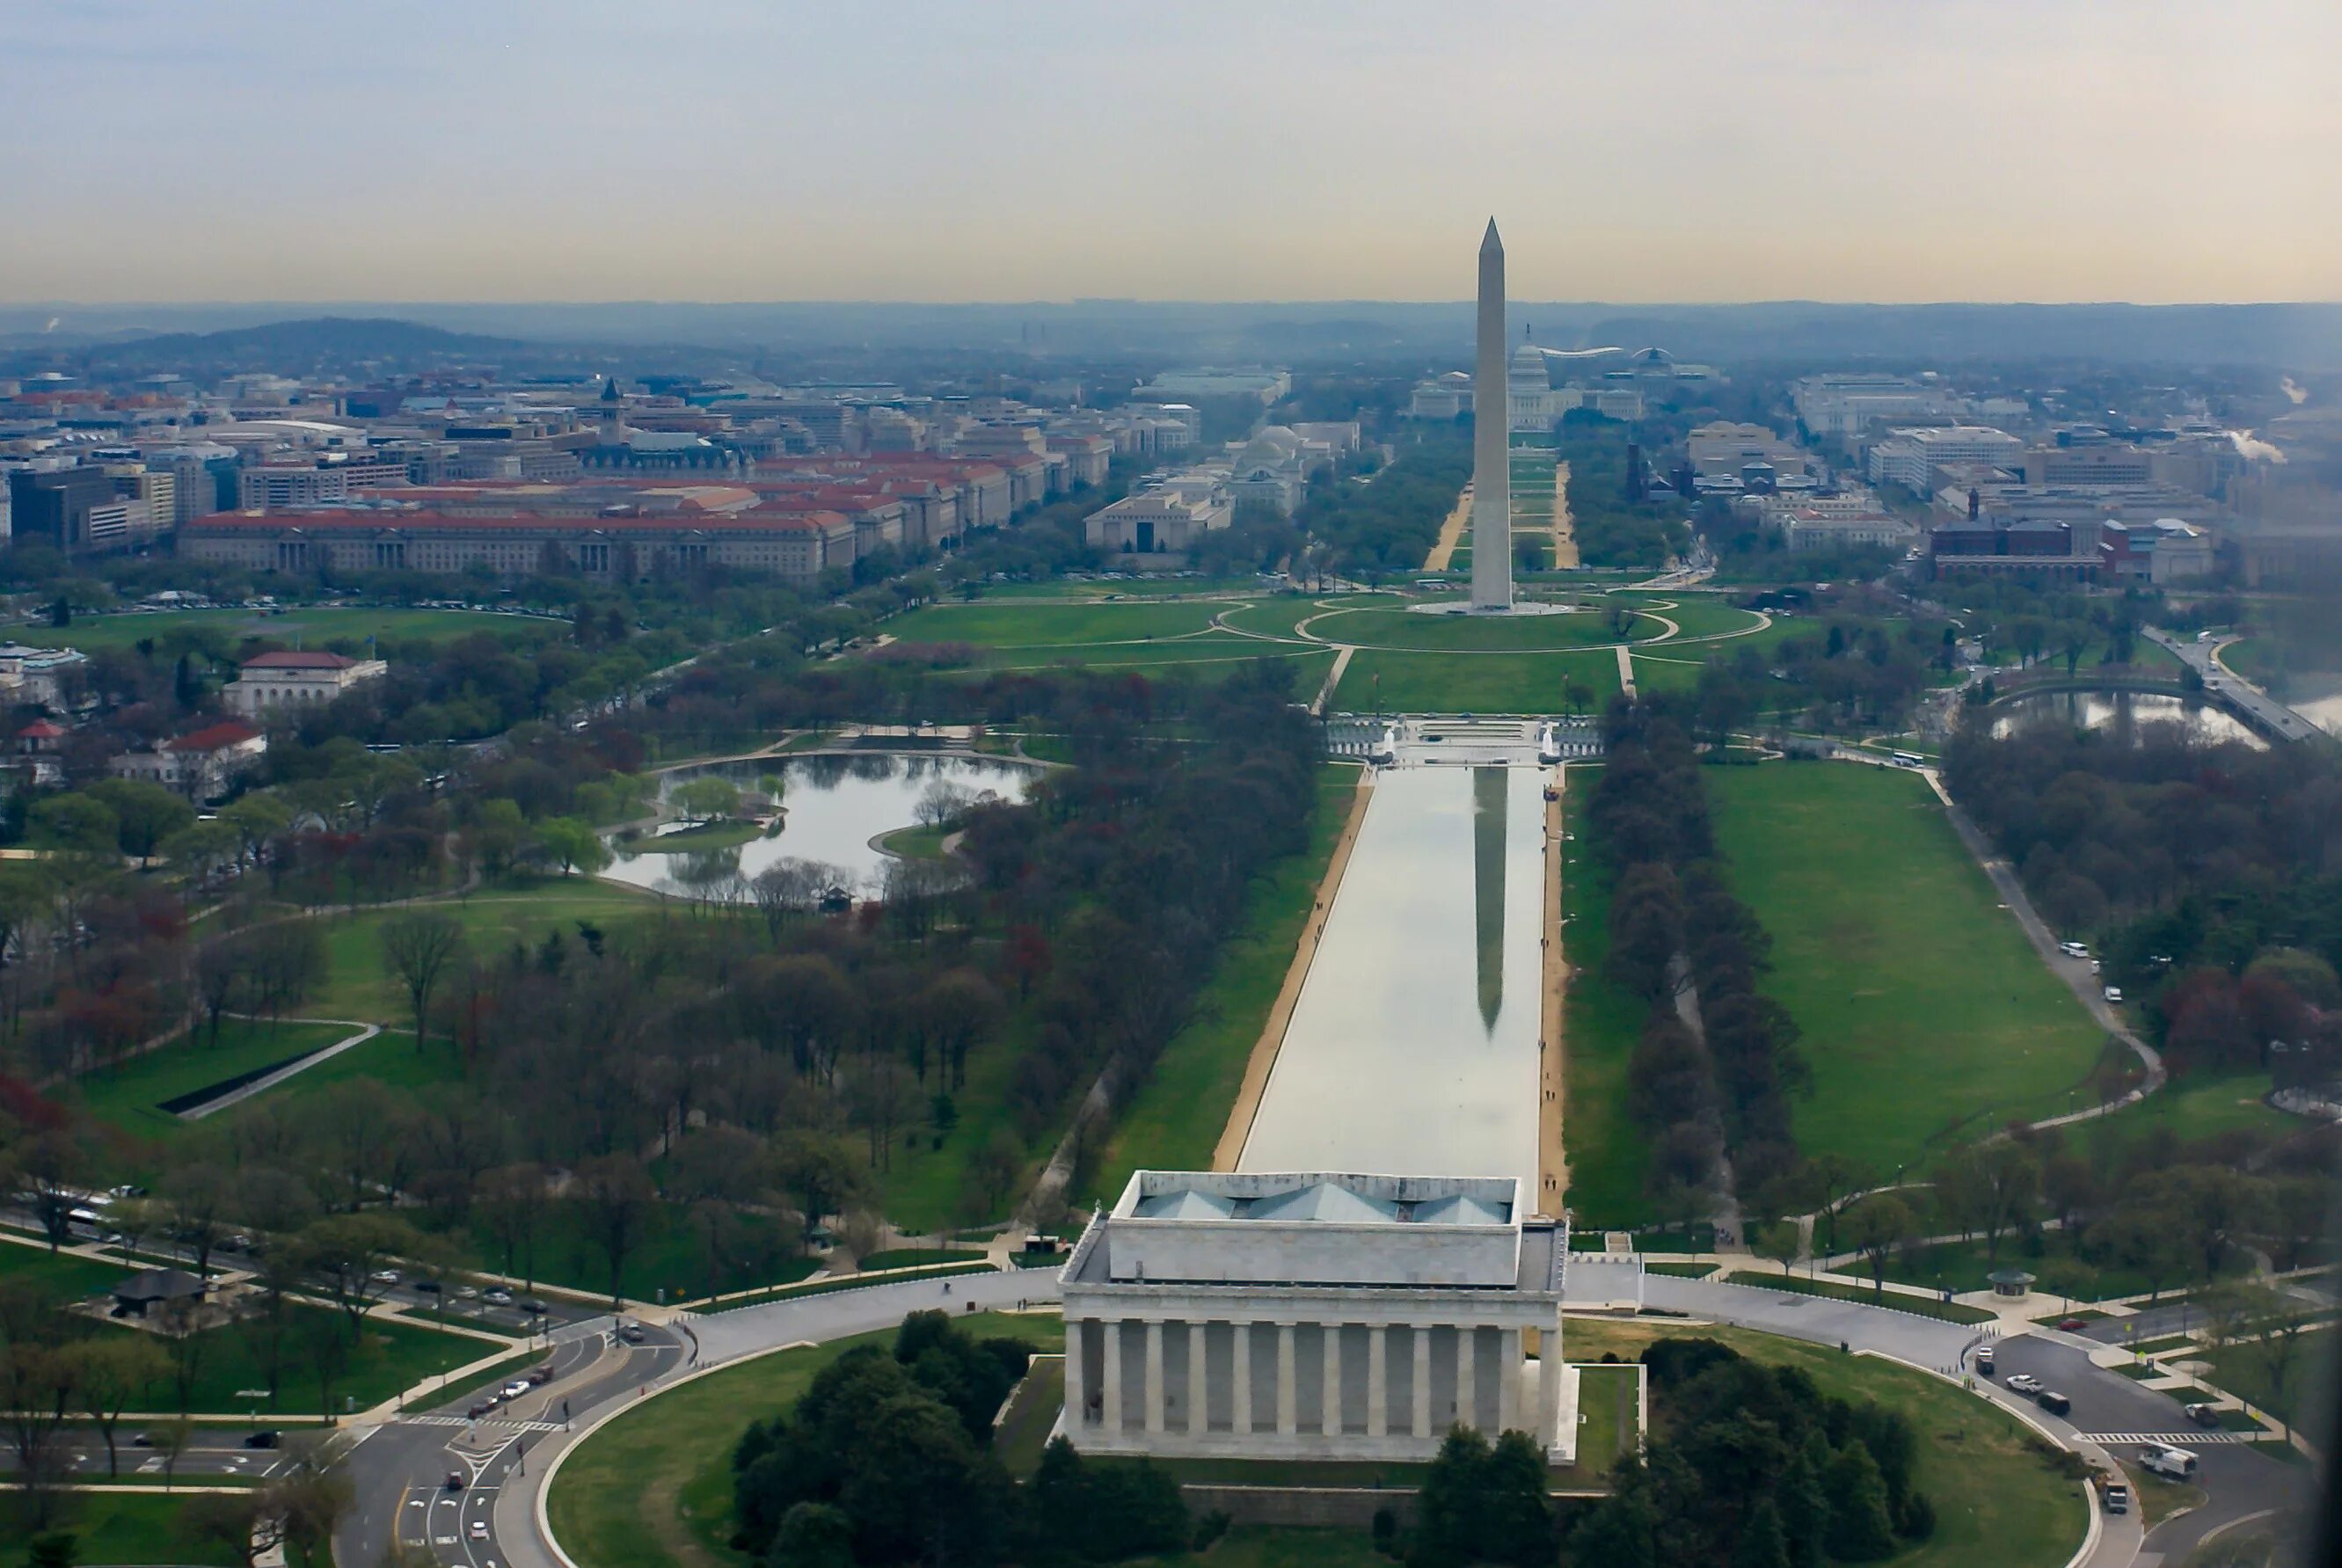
point(835, 804)
point(1414, 1047)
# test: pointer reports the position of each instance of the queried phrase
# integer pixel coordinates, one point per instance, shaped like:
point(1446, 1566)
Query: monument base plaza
point(1319, 1316)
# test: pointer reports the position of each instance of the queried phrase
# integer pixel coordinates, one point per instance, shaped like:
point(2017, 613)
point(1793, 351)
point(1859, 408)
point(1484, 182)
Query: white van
point(2074, 949)
point(2114, 995)
point(2175, 1462)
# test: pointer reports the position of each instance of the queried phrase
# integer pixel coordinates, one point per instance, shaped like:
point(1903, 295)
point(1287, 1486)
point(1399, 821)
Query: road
point(2110, 1412)
point(2268, 715)
point(399, 1471)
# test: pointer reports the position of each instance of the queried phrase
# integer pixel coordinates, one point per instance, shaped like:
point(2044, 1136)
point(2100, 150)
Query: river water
point(1413, 1049)
point(2121, 713)
point(835, 805)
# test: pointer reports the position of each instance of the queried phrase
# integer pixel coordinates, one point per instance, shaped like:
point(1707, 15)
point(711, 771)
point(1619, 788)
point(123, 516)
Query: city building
point(295, 679)
point(1443, 397)
point(1177, 386)
point(1315, 1316)
point(1723, 447)
point(1848, 403)
point(1989, 547)
point(1805, 528)
point(1157, 528)
point(200, 765)
point(1910, 458)
point(45, 676)
point(285, 484)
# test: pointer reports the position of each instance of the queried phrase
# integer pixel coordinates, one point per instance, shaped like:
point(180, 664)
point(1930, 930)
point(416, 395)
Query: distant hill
point(321, 342)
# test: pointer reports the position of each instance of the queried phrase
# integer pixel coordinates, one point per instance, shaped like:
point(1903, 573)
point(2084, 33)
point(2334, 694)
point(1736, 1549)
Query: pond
point(2121, 713)
point(2320, 700)
point(834, 804)
point(1413, 1049)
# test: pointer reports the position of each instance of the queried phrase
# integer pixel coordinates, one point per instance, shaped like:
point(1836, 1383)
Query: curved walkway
point(269, 1081)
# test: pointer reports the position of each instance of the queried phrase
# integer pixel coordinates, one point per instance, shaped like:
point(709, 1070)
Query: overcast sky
point(1254, 149)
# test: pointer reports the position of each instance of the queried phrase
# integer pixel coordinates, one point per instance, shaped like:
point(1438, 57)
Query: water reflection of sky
point(835, 805)
point(1388, 1064)
point(2118, 711)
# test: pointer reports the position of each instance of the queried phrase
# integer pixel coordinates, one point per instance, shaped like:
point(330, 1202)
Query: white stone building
point(1315, 1316)
point(293, 679)
point(1910, 457)
point(1159, 525)
point(200, 765)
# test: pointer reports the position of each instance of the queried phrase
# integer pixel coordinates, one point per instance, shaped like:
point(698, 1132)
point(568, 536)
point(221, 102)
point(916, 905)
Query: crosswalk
point(2196, 1438)
point(486, 1421)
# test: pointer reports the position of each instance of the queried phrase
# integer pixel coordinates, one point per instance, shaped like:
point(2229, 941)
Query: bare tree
point(616, 1195)
point(417, 948)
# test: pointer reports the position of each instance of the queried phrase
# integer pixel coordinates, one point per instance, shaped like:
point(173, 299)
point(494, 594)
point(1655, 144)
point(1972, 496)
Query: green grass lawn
point(653, 1489)
point(1422, 682)
point(312, 627)
point(1176, 1118)
point(1927, 1015)
point(1697, 615)
point(1606, 1419)
point(62, 1277)
point(916, 843)
point(2239, 1369)
point(391, 1357)
point(669, 1257)
point(1996, 1499)
point(360, 986)
point(692, 840)
point(1405, 629)
point(1608, 1153)
point(130, 1096)
point(2198, 1105)
point(129, 1528)
point(1670, 672)
point(1039, 626)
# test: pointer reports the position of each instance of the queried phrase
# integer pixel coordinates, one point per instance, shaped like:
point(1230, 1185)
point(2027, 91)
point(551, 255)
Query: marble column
point(1110, 1396)
point(1331, 1405)
point(1077, 1408)
point(1468, 1382)
point(1154, 1374)
point(1508, 1374)
point(1422, 1381)
point(1287, 1419)
point(1240, 1389)
point(1549, 1376)
point(1378, 1391)
point(1197, 1410)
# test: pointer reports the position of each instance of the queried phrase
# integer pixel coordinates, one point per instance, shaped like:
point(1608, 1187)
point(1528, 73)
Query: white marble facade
point(1201, 1319)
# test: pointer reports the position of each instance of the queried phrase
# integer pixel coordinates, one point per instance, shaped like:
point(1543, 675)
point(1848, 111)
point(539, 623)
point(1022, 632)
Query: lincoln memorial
point(1315, 1316)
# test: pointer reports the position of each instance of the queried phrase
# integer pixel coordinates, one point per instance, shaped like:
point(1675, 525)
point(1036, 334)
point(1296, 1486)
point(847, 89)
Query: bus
point(1906, 759)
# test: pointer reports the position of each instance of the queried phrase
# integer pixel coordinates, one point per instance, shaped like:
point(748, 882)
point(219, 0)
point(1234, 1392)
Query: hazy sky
point(1633, 150)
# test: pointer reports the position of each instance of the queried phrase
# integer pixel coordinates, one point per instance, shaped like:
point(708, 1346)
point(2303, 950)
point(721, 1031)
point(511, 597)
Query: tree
point(144, 815)
point(51, 1170)
point(1861, 1530)
point(57, 1549)
point(706, 799)
point(822, 1172)
point(416, 948)
point(108, 1375)
point(1762, 1542)
point(343, 1253)
point(616, 1195)
point(573, 844)
point(816, 1535)
point(1875, 1226)
point(1779, 1242)
point(512, 1199)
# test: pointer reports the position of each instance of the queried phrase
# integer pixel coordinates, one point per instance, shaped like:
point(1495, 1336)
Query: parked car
point(385, 1276)
point(540, 1374)
point(465, 1292)
point(261, 1439)
point(2204, 1414)
point(518, 1387)
point(2053, 1402)
point(1984, 1361)
point(427, 1287)
point(2072, 1325)
point(480, 1407)
point(496, 1295)
point(2176, 1464)
point(2024, 1383)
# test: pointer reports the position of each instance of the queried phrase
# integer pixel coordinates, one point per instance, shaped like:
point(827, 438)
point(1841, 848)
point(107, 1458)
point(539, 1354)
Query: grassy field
point(2199, 1106)
point(1420, 682)
point(130, 1096)
point(1697, 615)
point(1925, 1014)
point(1600, 1024)
point(391, 1357)
point(2239, 1370)
point(669, 1257)
point(1176, 1118)
point(1996, 1500)
point(312, 627)
point(360, 986)
point(62, 1277)
point(653, 1489)
point(127, 1528)
point(1962, 1266)
point(1067, 625)
point(1404, 629)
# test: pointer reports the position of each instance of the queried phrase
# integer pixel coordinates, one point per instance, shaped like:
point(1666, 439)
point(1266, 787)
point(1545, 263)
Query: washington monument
point(1492, 477)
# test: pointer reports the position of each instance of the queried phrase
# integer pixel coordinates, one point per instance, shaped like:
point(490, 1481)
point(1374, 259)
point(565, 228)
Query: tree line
point(1717, 1060)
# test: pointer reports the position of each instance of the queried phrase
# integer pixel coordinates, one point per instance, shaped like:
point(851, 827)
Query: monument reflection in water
point(1413, 1049)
